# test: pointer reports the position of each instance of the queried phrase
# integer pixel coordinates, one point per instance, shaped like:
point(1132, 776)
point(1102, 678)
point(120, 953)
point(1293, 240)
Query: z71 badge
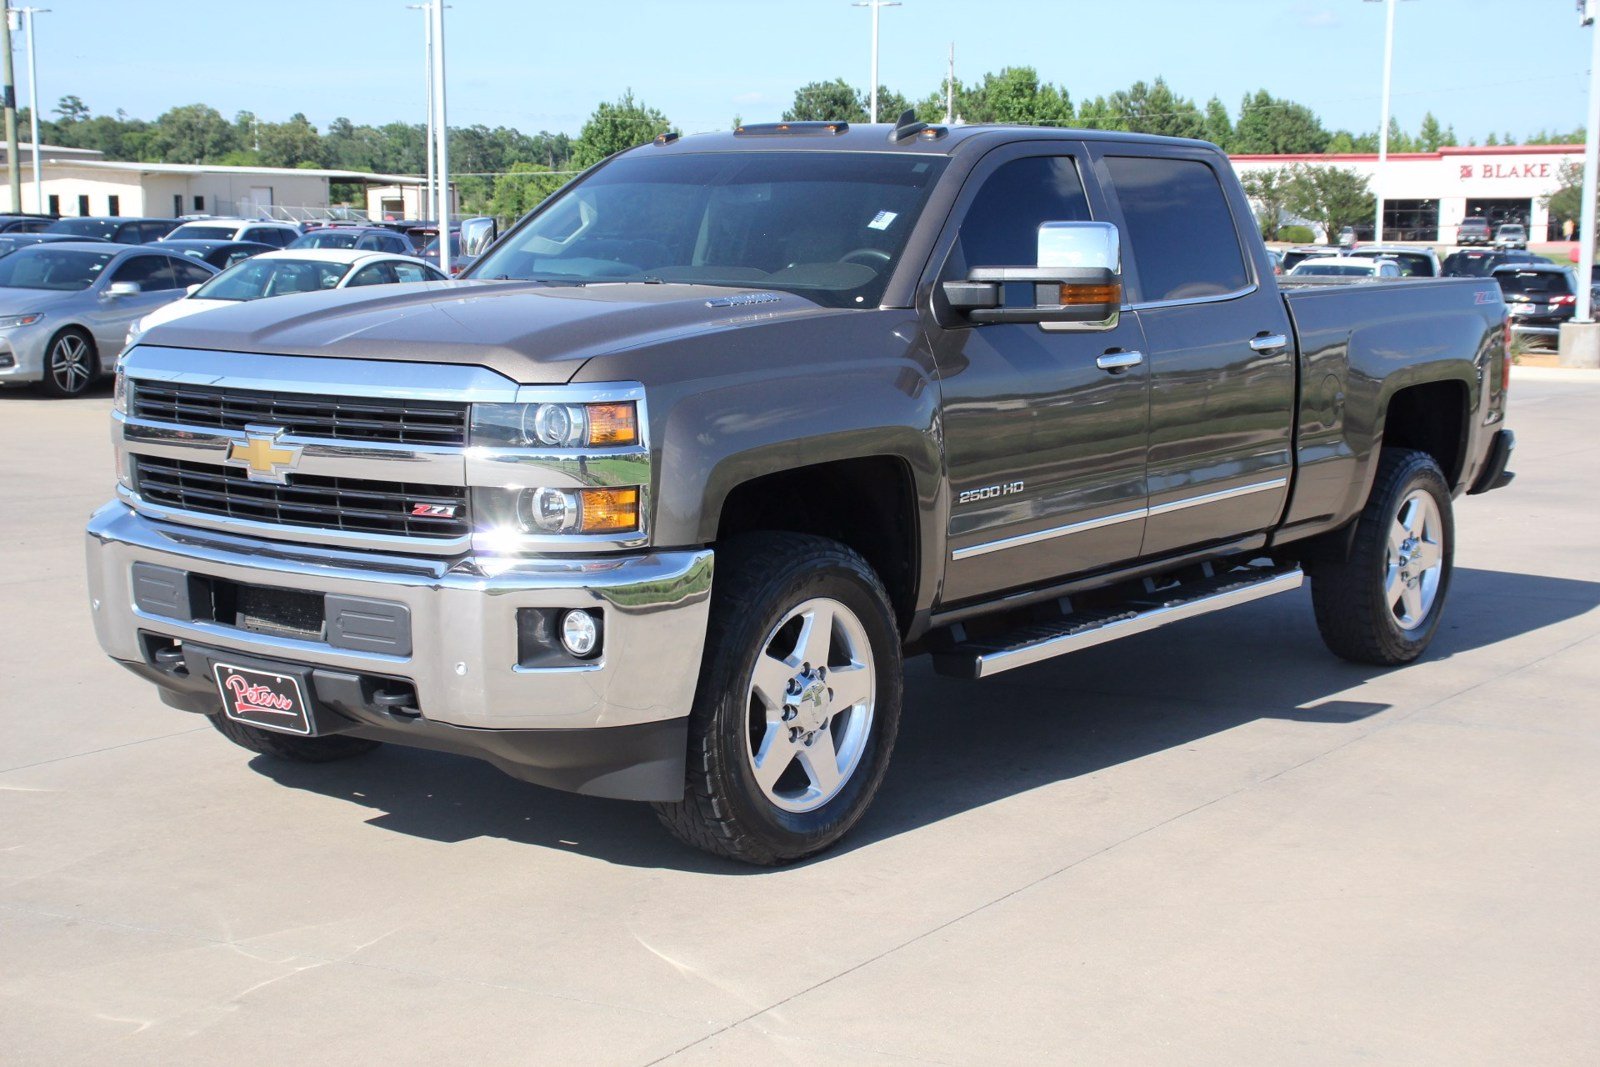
point(988, 492)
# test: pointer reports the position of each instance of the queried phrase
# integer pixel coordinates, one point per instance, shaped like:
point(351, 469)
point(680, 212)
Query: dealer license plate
point(261, 698)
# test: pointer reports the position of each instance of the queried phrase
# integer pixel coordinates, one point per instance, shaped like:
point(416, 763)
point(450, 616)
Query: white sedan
point(300, 270)
point(1338, 267)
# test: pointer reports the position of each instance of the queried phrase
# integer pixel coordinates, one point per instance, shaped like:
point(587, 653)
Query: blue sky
point(543, 64)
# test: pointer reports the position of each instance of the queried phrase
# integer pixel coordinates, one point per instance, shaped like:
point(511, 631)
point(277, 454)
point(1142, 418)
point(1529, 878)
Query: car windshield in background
point(1511, 281)
point(1470, 264)
point(1411, 264)
point(431, 249)
point(257, 278)
point(43, 267)
point(1513, 231)
point(829, 226)
point(329, 238)
point(1333, 270)
point(200, 232)
point(84, 227)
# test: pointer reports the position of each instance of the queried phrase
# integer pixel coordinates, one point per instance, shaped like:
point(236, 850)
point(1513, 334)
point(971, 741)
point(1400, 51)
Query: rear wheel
point(70, 364)
point(798, 703)
point(289, 747)
point(1382, 604)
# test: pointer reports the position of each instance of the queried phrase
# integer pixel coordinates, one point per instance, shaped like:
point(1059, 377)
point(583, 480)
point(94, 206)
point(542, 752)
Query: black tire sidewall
point(792, 834)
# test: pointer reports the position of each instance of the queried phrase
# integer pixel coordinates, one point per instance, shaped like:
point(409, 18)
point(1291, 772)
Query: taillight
point(1562, 301)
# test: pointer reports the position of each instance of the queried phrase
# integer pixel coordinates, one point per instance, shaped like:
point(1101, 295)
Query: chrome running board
point(982, 658)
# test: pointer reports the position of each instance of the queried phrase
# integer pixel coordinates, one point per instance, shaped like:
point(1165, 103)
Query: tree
point(1431, 135)
point(1567, 201)
point(1269, 126)
point(835, 101)
point(523, 189)
point(1269, 192)
point(1098, 114)
point(72, 109)
point(1015, 95)
point(193, 133)
point(1332, 196)
point(1219, 125)
point(295, 143)
point(614, 127)
point(1157, 109)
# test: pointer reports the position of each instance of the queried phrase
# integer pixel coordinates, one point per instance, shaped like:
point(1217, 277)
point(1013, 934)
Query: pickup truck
point(654, 503)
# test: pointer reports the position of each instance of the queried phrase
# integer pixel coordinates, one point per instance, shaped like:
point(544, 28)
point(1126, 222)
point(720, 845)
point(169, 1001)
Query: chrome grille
point(342, 418)
point(351, 505)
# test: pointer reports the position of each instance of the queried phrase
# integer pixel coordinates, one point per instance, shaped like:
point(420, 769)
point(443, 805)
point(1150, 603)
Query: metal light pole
point(9, 91)
point(1383, 128)
point(429, 206)
point(33, 106)
point(1591, 165)
point(876, 6)
point(441, 129)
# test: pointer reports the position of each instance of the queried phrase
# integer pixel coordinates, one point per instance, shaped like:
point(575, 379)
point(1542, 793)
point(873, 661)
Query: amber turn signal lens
point(613, 424)
point(609, 510)
point(1091, 294)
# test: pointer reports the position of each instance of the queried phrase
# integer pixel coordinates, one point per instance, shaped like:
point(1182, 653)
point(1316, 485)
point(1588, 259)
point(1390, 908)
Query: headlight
point(555, 425)
point(542, 511)
point(9, 321)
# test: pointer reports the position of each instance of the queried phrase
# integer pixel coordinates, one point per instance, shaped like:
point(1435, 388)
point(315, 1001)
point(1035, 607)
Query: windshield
point(43, 267)
point(1475, 224)
point(201, 231)
point(1512, 230)
point(328, 238)
point(826, 225)
point(84, 227)
point(1333, 270)
point(1470, 264)
point(10, 242)
point(431, 249)
point(1411, 264)
point(257, 278)
point(1523, 281)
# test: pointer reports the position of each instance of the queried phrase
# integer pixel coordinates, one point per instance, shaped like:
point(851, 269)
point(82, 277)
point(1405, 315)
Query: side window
point(150, 272)
point(412, 272)
point(1179, 228)
point(370, 242)
point(190, 274)
point(377, 274)
point(1001, 227)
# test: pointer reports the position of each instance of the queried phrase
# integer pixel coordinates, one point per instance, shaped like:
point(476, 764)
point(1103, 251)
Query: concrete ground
point(1210, 844)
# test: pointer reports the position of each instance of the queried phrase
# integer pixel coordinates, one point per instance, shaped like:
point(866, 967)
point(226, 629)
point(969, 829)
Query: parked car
point(115, 228)
point(25, 223)
point(1347, 237)
point(1473, 231)
point(65, 307)
point(360, 238)
point(276, 234)
point(292, 270)
point(1413, 262)
point(1511, 235)
point(1295, 255)
point(219, 254)
point(1344, 267)
point(1539, 297)
point(10, 242)
point(1481, 262)
point(654, 502)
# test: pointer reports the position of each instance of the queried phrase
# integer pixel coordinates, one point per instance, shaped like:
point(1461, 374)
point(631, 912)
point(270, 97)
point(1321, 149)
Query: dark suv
point(1539, 296)
point(1482, 262)
point(114, 228)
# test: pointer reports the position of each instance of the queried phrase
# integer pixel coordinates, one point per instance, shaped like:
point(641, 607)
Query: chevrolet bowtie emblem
point(262, 457)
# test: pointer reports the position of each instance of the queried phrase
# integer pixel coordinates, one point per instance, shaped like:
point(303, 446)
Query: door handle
point(1269, 342)
point(1117, 362)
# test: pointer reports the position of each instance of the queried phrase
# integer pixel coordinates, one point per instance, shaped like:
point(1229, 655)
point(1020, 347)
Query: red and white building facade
point(1427, 194)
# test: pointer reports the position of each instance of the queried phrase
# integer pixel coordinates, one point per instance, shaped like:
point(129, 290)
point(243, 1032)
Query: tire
point(1382, 604)
point(288, 747)
point(71, 364)
point(765, 719)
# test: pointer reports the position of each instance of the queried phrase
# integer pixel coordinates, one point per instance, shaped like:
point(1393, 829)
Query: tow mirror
point(1077, 281)
point(477, 234)
point(123, 289)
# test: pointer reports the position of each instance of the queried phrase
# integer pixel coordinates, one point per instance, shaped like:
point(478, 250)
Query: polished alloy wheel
point(1414, 561)
point(811, 702)
point(70, 363)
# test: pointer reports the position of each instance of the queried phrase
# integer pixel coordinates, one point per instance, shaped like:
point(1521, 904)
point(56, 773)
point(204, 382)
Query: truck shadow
point(964, 745)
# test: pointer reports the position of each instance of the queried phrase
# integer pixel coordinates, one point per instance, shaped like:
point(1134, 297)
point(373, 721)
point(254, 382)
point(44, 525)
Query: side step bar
point(1085, 629)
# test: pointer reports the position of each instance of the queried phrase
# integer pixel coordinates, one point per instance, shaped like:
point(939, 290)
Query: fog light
point(580, 633)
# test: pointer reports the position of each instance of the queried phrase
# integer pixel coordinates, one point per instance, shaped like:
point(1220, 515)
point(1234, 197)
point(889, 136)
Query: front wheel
point(1382, 604)
point(70, 364)
point(798, 703)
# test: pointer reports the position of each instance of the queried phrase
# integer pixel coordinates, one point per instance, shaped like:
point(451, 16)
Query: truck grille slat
point(347, 504)
point(406, 422)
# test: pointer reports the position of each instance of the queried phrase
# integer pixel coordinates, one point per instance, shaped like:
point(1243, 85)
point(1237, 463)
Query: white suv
point(276, 234)
point(1511, 235)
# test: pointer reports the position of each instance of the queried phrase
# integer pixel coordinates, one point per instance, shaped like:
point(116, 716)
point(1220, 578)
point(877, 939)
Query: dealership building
point(1427, 194)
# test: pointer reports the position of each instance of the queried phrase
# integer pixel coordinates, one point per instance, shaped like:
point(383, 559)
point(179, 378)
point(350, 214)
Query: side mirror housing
point(477, 234)
point(1077, 281)
point(123, 289)
point(193, 289)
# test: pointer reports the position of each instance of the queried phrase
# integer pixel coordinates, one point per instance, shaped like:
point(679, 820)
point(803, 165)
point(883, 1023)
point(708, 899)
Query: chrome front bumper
point(463, 612)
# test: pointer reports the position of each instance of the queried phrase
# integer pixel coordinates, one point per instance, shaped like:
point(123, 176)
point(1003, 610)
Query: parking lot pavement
point(1212, 843)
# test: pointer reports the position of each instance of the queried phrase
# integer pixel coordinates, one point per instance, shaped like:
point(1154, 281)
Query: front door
point(1044, 447)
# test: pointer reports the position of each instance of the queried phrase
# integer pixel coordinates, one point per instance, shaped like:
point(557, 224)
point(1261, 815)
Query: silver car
point(65, 307)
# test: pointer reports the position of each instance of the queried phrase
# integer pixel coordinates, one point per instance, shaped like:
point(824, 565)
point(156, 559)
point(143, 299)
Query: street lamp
point(1587, 12)
point(428, 206)
point(33, 105)
point(876, 5)
point(1383, 127)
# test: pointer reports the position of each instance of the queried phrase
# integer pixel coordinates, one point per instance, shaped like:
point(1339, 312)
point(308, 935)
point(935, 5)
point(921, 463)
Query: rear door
point(1218, 343)
point(1044, 446)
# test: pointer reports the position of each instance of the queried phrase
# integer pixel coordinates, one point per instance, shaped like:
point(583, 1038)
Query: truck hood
point(533, 333)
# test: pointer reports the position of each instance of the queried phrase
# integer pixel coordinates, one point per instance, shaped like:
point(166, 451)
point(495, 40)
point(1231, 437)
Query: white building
point(1427, 194)
point(86, 186)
